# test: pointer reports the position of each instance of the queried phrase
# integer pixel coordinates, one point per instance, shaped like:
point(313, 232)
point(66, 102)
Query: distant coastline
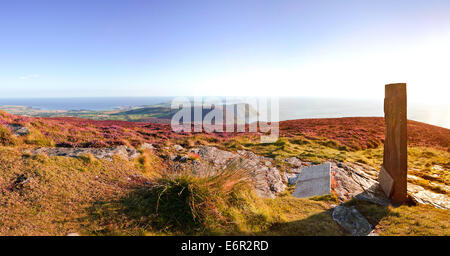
point(290, 108)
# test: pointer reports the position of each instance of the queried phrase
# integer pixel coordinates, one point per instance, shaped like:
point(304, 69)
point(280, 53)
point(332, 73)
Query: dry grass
point(58, 193)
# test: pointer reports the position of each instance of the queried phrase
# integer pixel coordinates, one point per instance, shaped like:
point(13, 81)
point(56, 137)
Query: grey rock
point(352, 220)
point(360, 181)
point(20, 182)
point(355, 180)
point(423, 196)
point(147, 146)
point(291, 178)
point(19, 130)
point(294, 161)
point(174, 157)
point(178, 147)
point(214, 155)
point(100, 153)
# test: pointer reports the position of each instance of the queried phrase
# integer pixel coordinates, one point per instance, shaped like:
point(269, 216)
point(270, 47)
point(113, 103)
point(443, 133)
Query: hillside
point(352, 133)
point(66, 175)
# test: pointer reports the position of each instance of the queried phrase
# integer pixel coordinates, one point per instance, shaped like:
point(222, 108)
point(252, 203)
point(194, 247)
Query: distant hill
point(155, 113)
point(164, 112)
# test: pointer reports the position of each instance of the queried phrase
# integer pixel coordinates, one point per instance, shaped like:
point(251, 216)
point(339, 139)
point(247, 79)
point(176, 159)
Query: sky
point(107, 48)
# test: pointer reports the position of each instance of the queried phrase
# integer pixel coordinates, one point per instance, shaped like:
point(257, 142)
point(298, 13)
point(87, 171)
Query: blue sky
point(249, 47)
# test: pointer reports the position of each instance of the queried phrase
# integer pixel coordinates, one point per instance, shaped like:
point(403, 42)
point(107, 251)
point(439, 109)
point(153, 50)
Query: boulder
point(290, 178)
point(294, 161)
point(352, 220)
point(20, 182)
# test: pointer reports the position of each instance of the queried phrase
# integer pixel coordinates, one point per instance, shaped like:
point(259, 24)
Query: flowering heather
point(348, 133)
point(193, 156)
point(364, 132)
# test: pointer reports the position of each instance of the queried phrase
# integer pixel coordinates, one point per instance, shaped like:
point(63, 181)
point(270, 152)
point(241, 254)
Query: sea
point(289, 107)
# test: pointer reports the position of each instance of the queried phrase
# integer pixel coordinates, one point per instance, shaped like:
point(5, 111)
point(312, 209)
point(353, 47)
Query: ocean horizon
point(290, 107)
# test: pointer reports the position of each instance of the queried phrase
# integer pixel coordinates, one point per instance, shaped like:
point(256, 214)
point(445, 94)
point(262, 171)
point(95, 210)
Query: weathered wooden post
point(393, 174)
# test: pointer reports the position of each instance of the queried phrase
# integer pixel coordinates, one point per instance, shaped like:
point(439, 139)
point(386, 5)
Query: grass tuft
point(37, 138)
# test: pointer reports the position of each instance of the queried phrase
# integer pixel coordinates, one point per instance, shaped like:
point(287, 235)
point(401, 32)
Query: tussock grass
point(37, 138)
point(184, 202)
point(7, 138)
point(148, 162)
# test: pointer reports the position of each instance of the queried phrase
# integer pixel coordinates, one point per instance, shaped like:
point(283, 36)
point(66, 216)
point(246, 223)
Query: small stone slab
point(314, 181)
point(386, 181)
point(352, 220)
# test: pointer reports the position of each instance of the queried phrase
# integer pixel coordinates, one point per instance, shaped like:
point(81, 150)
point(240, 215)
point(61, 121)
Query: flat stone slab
point(314, 181)
point(386, 182)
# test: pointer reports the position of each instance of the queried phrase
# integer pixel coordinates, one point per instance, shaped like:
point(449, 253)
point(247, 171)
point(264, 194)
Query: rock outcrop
point(100, 153)
point(352, 180)
point(266, 178)
point(423, 196)
point(360, 181)
point(19, 130)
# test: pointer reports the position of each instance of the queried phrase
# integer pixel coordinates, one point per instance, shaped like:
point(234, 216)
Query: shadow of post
point(372, 204)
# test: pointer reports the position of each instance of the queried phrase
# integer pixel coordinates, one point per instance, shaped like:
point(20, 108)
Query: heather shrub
point(283, 143)
point(300, 141)
point(330, 144)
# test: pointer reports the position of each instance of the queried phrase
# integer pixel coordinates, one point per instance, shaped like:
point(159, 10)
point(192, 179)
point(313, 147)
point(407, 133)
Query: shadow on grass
point(140, 213)
point(132, 214)
point(320, 224)
point(374, 209)
point(143, 212)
